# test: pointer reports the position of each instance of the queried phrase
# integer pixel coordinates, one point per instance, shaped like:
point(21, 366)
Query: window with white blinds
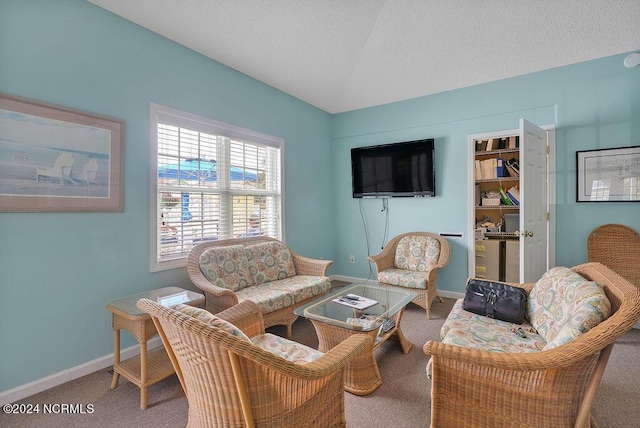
point(210, 181)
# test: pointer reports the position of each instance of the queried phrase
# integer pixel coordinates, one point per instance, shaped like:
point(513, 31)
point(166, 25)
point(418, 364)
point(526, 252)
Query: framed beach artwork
point(609, 175)
point(56, 159)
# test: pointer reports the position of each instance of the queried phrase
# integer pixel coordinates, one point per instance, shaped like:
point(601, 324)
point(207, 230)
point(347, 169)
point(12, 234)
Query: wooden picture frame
point(608, 175)
point(57, 159)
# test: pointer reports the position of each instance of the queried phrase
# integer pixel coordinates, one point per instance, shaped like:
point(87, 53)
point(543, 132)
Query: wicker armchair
point(421, 282)
point(231, 382)
point(219, 299)
point(551, 388)
point(617, 247)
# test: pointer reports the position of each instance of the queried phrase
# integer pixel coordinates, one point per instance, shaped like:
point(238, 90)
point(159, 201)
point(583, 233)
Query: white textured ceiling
point(342, 55)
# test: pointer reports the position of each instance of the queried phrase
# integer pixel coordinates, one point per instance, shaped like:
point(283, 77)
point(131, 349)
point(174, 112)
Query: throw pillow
point(226, 267)
point(562, 305)
point(269, 261)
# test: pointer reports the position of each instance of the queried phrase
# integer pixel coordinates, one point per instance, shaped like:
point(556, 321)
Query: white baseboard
point(450, 294)
point(31, 388)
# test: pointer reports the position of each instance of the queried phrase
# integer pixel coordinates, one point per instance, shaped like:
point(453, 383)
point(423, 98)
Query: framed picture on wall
point(57, 159)
point(609, 175)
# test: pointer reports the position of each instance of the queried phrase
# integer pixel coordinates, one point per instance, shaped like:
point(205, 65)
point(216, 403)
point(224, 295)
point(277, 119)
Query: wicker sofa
point(261, 269)
point(548, 378)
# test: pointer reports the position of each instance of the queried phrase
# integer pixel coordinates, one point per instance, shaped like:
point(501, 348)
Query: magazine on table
point(355, 301)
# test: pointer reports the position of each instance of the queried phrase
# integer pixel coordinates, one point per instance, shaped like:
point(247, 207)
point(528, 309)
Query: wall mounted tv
point(405, 169)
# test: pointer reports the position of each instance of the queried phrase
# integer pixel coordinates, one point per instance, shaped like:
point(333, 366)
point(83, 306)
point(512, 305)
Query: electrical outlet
point(352, 259)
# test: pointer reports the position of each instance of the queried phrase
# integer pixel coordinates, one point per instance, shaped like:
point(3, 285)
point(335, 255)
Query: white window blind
point(210, 181)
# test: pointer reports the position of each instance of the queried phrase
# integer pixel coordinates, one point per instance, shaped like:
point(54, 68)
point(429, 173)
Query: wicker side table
point(151, 366)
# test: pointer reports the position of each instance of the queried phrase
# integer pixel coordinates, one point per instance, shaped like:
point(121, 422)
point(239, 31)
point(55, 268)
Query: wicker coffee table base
point(362, 376)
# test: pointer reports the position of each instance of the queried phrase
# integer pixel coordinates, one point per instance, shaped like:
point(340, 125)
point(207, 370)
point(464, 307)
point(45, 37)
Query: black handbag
point(495, 300)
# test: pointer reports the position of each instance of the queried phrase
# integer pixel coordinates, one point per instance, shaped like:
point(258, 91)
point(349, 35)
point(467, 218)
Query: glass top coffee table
point(335, 319)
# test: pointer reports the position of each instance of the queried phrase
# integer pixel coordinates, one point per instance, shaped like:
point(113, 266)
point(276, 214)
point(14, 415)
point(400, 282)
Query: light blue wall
point(594, 105)
point(58, 270)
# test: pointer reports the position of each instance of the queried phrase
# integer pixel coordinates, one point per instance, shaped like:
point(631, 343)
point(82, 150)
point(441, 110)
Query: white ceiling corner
point(344, 55)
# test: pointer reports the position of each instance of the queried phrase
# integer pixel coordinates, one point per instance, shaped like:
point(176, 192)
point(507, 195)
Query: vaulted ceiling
point(341, 55)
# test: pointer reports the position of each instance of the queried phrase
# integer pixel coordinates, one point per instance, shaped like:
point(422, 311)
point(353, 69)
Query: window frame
point(203, 124)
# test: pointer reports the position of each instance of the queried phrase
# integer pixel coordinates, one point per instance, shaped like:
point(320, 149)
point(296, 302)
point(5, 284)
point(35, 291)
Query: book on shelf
point(481, 145)
point(489, 168)
point(513, 167)
point(478, 170)
point(490, 143)
point(499, 167)
point(514, 194)
point(503, 195)
point(513, 142)
point(513, 199)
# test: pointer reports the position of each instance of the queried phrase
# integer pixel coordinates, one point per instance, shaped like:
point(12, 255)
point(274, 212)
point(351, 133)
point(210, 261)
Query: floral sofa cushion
point(208, 318)
point(285, 348)
point(404, 278)
point(470, 330)
point(269, 261)
point(417, 253)
point(226, 267)
point(563, 305)
point(462, 328)
point(268, 297)
point(304, 287)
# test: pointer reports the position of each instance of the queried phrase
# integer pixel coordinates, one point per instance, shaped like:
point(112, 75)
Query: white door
point(533, 194)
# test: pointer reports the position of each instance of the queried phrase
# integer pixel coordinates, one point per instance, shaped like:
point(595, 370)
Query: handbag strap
point(490, 306)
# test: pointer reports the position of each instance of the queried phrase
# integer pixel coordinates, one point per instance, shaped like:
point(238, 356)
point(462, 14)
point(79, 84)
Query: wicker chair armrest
point(210, 289)
point(383, 260)
point(309, 266)
point(246, 316)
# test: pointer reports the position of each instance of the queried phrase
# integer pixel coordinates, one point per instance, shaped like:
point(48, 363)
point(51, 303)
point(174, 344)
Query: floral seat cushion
point(285, 348)
point(404, 278)
point(267, 297)
point(226, 267)
point(304, 287)
point(474, 331)
point(469, 330)
point(563, 305)
point(269, 261)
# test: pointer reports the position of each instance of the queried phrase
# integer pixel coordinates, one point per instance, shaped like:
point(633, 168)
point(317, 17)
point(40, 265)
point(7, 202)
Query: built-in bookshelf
point(497, 183)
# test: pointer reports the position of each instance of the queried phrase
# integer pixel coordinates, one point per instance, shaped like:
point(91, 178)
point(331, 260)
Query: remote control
point(352, 297)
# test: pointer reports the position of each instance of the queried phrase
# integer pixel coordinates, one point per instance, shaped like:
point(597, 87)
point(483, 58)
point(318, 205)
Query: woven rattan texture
point(617, 247)
point(384, 260)
point(552, 388)
point(262, 388)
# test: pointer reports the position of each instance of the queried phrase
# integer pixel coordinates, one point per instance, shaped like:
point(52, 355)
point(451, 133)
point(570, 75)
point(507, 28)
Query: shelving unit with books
point(497, 181)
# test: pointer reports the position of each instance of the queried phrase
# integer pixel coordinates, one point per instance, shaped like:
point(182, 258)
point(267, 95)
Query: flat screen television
point(405, 169)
